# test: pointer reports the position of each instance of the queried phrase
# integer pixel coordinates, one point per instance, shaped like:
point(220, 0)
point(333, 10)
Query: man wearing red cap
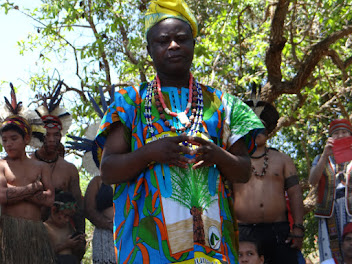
point(346, 247)
point(333, 208)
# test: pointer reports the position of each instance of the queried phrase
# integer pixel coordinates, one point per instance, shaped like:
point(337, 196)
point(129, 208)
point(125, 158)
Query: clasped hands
point(176, 151)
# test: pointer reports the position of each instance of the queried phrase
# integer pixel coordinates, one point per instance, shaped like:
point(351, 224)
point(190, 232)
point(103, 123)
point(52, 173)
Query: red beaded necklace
point(195, 119)
point(182, 116)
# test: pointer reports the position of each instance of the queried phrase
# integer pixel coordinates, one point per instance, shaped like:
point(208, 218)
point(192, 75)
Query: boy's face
point(62, 217)
point(248, 254)
point(347, 246)
point(14, 143)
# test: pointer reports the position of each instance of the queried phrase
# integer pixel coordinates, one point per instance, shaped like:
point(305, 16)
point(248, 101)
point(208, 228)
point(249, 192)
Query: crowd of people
point(186, 174)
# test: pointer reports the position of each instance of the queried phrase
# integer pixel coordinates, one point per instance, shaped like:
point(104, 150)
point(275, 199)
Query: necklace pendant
point(183, 118)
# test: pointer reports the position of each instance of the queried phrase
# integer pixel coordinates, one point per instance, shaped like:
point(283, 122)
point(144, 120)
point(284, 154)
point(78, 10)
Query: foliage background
point(300, 52)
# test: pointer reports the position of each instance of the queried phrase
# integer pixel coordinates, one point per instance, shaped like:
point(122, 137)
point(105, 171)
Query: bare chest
point(60, 176)
point(269, 170)
point(59, 235)
point(20, 174)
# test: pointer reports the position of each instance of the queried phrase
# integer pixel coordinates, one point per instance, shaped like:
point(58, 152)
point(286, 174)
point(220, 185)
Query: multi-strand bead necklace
point(265, 165)
point(195, 102)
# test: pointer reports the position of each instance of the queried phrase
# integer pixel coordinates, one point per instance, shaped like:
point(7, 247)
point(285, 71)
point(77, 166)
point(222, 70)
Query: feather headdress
point(14, 113)
point(264, 110)
point(92, 154)
point(52, 114)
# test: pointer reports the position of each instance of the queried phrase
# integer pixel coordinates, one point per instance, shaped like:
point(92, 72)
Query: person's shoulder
point(277, 153)
point(37, 163)
point(132, 89)
point(3, 163)
point(67, 164)
point(96, 178)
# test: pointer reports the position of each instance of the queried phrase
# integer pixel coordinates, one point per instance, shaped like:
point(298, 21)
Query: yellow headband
point(161, 9)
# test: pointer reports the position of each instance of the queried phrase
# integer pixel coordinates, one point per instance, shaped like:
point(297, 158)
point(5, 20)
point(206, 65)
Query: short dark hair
point(65, 197)
point(64, 200)
point(257, 244)
point(12, 127)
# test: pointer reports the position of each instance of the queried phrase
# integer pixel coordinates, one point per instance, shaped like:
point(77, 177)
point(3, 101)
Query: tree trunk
point(198, 225)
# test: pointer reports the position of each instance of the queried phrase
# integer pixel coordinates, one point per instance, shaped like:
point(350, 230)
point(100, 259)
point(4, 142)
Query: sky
point(14, 67)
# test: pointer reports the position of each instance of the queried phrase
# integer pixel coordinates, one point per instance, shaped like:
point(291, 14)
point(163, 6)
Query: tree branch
point(318, 51)
point(98, 37)
point(276, 42)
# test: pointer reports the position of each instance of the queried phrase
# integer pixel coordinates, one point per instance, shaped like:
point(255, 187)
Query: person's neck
point(178, 80)
point(51, 222)
point(45, 155)
point(17, 159)
point(260, 151)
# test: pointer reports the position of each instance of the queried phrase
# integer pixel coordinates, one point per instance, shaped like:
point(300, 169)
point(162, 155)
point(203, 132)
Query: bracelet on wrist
point(299, 226)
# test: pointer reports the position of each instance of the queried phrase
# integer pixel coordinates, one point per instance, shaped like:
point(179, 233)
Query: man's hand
point(38, 186)
point(76, 241)
point(296, 237)
point(328, 147)
point(170, 150)
point(205, 152)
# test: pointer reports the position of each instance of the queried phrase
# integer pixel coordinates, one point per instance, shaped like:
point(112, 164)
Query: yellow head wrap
point(161, 9)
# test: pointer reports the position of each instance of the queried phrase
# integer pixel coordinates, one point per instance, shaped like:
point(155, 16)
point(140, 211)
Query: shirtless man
point(260, 203)
point(64, 175)
point(24, 188)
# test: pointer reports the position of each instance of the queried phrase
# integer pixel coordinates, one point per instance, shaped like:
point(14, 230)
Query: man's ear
point(148, 49)
point(27, 139)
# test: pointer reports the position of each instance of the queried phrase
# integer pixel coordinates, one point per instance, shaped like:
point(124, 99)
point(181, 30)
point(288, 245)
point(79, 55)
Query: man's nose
point(244, 260)
point(173, 45)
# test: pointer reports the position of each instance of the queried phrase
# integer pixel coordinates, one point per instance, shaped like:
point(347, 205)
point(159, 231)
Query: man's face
point(248, 254)
point(261, 138)
point(347, 246)
point(14, 143)
point(341, 133)
point(171, 46)
point(52, 139)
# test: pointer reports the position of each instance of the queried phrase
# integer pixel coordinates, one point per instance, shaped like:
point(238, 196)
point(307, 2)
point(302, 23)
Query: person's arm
point(69, 243)
point(75, 189)
point(44, 197)
point(120, 165)
point(10, 194)
point(236, 159)
point(294, 192)
point(317, 171)
point(90, 206)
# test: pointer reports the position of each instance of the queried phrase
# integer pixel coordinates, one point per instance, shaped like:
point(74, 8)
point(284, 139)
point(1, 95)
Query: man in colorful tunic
point(168, 146)
point(334, 205)
point(260, 204)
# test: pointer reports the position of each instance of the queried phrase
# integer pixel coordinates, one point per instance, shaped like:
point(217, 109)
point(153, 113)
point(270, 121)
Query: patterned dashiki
point(333, 208)
point(155, 215)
